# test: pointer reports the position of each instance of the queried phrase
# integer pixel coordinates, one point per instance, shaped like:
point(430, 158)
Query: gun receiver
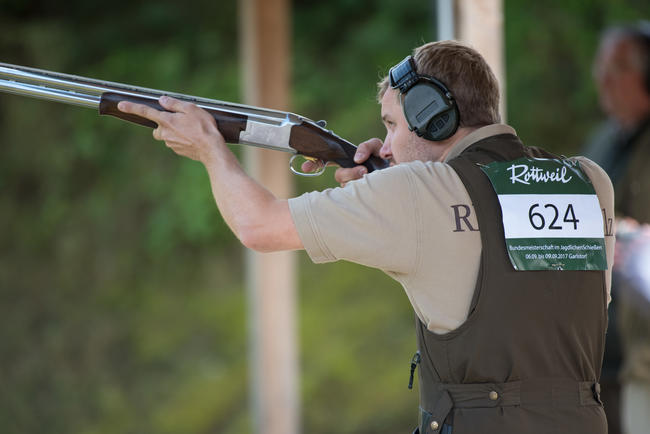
point(239, 124)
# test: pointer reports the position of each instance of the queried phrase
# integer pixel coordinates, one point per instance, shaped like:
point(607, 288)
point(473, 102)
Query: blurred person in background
point(622, 147)
point(501, 348)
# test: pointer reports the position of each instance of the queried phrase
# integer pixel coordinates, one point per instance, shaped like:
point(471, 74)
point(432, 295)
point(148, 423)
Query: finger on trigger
point(308, 166)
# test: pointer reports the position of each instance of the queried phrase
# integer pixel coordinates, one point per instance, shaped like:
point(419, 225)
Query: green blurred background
point(123, 308)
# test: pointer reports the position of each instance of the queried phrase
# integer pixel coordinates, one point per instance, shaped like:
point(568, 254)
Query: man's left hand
point(186, 128)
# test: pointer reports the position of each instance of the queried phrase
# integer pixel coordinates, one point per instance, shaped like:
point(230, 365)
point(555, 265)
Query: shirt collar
point(475, 136)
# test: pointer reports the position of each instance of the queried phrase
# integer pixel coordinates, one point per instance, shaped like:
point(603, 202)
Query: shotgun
point(238, 123)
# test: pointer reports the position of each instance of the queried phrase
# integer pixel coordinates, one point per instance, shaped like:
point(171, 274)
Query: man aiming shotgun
point(503, 250)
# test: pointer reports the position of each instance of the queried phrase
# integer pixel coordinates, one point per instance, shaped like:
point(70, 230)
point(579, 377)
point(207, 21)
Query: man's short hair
point(467, 76)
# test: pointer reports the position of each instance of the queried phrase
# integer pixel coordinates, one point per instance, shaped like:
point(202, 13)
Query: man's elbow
point(267, 239)
point(269, 231)
point(255, 239)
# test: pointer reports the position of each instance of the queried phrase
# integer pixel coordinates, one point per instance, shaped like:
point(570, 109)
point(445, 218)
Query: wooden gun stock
point(308, 139)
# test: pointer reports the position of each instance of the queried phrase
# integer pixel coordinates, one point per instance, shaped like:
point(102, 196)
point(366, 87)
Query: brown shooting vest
point(528, 358)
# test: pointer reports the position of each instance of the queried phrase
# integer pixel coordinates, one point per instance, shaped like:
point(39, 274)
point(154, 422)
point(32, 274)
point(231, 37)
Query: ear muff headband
point(429, 107)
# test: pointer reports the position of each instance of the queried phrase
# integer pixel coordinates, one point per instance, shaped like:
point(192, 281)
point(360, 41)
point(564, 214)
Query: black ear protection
point(429, 107)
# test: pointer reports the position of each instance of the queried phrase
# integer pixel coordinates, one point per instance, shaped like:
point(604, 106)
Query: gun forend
point(230, 124)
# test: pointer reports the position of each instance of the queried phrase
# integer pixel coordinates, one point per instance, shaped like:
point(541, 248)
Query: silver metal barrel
point(49, 93)
point(86, 92)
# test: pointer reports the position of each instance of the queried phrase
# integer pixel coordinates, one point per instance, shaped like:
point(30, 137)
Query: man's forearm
point(257, 218)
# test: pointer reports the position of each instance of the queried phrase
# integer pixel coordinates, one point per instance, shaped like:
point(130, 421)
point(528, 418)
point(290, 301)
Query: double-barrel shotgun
point(239, 124)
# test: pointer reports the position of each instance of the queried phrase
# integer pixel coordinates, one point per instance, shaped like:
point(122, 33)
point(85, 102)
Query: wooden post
point(265, 33)
point(480, 24)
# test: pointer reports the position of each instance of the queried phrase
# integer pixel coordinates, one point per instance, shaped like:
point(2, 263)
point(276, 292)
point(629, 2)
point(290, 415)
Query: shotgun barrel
point(239, 123)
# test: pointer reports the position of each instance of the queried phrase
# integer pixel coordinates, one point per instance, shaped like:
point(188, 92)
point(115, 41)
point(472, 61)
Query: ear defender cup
point(429, 112)
point(429, 108)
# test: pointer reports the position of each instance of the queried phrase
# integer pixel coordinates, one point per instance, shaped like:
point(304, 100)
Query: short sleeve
point(371, 221)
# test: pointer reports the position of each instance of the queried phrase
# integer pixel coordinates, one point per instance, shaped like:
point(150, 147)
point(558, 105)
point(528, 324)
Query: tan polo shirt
point(415, 222)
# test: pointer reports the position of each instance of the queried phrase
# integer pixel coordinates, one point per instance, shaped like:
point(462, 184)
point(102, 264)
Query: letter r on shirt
point(461, 214)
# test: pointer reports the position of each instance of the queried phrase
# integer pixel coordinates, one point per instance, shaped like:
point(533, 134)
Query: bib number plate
point(551, 215)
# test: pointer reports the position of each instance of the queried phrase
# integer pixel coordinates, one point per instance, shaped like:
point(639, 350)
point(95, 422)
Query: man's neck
point(449, 143)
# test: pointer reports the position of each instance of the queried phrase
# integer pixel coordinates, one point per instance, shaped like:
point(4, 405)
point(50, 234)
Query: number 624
point(538, 222)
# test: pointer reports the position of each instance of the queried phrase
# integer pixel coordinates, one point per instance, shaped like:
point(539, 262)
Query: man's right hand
point(345, 175)
point(364, 151)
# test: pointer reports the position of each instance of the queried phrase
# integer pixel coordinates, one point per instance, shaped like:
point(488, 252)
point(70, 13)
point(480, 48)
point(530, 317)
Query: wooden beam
point(480, 24)
point(265, 33)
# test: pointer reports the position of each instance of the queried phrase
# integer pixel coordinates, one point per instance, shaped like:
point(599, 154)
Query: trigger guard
point(299, 173)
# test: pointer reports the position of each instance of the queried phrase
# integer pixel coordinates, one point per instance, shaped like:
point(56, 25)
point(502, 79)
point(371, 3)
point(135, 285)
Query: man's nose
point(385, 152)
